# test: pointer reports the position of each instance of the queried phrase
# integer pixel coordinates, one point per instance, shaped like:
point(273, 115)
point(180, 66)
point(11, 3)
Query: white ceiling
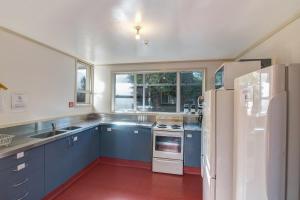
point(101, 31)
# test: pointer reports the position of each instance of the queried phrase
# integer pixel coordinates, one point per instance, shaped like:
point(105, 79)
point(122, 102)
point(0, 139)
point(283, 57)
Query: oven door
point(168, 145)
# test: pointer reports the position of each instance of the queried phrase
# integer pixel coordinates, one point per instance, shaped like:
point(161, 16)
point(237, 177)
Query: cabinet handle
point(21, 183)
point(20, 155)
point(136, 132)
point(189, 135)
point(20, 167)
point(75, 138)
point(109, 129)
point(24, 196)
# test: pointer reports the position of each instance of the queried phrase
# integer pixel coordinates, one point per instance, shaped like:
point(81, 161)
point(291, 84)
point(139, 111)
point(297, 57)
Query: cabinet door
point(94, 150)
point(114, 141)
point(122, 143)
point(107, 141)
point(192, 149)
point(81, 150)
point(141, 145)
point(58, 162)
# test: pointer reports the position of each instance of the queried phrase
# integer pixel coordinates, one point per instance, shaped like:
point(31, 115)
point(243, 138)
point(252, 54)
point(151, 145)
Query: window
point(83, 83)
point(190, 87)
point(156, 91)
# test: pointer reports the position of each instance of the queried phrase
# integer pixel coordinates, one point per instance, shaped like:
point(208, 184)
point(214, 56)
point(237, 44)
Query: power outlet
point(71, 104)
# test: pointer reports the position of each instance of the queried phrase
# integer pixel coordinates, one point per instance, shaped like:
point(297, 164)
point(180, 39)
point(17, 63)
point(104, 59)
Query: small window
point(83, 83)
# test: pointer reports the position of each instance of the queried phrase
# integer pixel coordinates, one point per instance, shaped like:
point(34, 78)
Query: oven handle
point(172, 134)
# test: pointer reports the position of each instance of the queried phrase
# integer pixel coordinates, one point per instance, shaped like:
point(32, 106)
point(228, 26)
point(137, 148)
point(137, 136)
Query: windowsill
point(83, 105)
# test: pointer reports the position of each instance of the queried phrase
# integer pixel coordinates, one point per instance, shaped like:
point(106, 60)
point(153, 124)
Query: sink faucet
point(53, 126)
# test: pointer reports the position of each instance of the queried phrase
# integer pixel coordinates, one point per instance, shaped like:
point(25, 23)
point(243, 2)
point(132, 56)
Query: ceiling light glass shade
point(137, 36)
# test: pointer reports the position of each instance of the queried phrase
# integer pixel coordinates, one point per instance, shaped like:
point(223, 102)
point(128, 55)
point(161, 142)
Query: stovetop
point(168, 127)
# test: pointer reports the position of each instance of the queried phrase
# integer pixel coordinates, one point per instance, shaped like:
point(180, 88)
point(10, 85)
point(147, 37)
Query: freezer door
point(260, 114)
point(208, 131)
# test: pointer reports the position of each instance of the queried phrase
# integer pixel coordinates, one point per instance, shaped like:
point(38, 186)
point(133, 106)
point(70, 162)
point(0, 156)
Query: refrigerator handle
point(276, 146)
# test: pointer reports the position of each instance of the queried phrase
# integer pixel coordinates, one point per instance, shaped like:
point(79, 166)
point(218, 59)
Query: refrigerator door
point(208, 131)
point(260, 103)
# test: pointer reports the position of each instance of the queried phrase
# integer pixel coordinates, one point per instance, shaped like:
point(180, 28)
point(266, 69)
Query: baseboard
point(52, 195)
point(192, 170)
point(125, 163)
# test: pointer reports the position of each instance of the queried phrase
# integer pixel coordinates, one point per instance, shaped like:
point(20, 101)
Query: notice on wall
point(18, 102)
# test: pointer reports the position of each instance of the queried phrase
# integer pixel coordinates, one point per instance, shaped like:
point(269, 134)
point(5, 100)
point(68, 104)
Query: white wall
point(45, 75)
point(283, 47)
point(102, 98)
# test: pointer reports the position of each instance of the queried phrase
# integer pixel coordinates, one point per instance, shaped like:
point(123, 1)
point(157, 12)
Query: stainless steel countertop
point(192, 127)
point(25, 142)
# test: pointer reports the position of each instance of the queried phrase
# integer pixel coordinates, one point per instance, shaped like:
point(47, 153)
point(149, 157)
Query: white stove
point(168, 136)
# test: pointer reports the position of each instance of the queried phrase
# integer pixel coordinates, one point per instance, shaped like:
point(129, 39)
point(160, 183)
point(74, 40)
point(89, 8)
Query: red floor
point(106, 182)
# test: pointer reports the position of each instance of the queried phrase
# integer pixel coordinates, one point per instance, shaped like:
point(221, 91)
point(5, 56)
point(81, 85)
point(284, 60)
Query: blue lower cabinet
point(126, 142)
point(58, 163)
point(107, 142)
point(192, 149)
point(68, 156)
point(141, 144)
point(24, 179)
point(114, 141)
point(94, 149)
point(85, 149)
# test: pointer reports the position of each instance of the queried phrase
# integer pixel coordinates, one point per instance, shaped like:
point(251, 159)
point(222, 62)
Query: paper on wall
point(18, 102)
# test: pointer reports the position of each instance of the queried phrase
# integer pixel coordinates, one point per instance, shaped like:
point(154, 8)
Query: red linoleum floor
point(106, 182)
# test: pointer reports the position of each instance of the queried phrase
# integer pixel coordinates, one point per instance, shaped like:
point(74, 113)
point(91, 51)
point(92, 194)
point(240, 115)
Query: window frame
point(89, 83)
point(135, 72)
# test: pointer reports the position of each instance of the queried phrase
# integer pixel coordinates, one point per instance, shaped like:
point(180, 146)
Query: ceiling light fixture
point(137, 34)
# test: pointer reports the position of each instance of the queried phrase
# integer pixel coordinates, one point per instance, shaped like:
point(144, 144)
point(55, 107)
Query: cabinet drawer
point(31, 187)
point(20, 157)
point(18, 171)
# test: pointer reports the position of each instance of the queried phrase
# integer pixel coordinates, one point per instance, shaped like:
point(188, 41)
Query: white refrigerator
point(217, 136)
point(267, 134)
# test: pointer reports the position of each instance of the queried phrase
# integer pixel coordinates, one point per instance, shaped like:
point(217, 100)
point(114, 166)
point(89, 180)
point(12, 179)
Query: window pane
point(81, 79)
point(161, 78)
point(139, 78)
point(139, 98)
point(188, 78)
point(124, 85)
point(124, 104)
point(83, 98)
point(160, 99)
point(190, 88)
point(124, 92)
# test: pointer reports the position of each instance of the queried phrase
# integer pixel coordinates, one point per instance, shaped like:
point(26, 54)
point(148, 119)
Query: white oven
point(168, 136)
point(168, 144)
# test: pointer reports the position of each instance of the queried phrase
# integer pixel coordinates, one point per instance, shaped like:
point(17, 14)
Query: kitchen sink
point(71, 128)
point(48, 134)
